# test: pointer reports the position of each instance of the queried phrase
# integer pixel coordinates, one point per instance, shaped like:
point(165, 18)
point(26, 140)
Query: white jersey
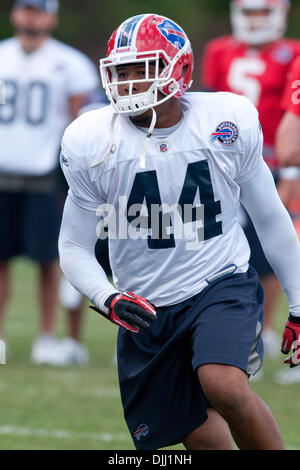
point(171, 257)
point(35, 115)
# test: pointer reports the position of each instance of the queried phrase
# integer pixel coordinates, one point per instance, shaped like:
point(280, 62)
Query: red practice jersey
point(260, 75)
point(291, 96)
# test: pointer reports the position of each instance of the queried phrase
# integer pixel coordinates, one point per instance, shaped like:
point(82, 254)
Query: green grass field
point(79, 407)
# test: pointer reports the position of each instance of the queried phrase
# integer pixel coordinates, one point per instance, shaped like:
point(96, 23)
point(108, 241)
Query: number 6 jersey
point(35, 111)
point(172, 219)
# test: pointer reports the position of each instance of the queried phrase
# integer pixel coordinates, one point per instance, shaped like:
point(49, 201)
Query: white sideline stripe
point(62, 434)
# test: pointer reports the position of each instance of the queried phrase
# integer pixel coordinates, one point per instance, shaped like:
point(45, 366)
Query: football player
point(288, 151)
point(288, 134)
point(254, 61)
point(45, 85)
point(165, 171)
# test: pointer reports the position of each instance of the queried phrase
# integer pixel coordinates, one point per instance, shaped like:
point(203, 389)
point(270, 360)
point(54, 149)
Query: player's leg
point(272, 290)
point(227, 349)
point(48, 292)
point(70, 349)
point(11, 208)
point(41, 228)
point(4, 293)
point(250, 420)
point(75, 322)
point(213, 434)
point(161, 394)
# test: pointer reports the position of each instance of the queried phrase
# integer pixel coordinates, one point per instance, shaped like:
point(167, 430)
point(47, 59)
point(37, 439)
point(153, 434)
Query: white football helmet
point(259, 29)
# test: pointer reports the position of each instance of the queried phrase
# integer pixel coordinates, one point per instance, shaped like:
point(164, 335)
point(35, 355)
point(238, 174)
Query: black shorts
point(30, 223)
point(161, 394)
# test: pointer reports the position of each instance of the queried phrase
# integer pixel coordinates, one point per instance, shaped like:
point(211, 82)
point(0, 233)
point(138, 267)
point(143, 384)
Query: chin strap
point(148, 137)
point(113, 146)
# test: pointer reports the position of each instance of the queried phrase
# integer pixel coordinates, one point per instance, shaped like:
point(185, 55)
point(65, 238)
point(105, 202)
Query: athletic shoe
point(67, 352)
point(43, 349)
point(288, 376)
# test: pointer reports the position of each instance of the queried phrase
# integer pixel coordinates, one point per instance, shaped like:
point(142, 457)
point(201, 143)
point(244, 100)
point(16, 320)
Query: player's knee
point(220, 439)
point(226, 393)
point(228, 398)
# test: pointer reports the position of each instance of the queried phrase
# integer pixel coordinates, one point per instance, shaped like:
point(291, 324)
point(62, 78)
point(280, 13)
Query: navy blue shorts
point(161, 394)
point(30, 223)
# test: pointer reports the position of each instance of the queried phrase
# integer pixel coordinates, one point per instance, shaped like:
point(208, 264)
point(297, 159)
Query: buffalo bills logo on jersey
point(141, 431)
point(226, 133)
point(173, 33)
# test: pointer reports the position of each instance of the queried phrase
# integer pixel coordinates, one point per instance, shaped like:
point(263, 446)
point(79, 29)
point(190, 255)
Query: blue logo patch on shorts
point(141, 431)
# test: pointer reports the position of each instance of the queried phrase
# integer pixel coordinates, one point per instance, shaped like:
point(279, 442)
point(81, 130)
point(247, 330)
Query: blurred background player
point(46, 83)
point(254, 61)
point(288, 133)
point(288, 151)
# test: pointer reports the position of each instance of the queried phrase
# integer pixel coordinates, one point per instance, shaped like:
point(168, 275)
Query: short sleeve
point(82, 75)
point(251, 136)
point(82, 190)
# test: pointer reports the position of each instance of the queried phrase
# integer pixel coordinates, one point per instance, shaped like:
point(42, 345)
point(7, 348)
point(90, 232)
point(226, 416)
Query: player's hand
point(290, 340)
point(129, 311)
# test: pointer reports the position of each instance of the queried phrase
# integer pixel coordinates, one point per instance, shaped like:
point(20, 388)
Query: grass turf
point(79, 407)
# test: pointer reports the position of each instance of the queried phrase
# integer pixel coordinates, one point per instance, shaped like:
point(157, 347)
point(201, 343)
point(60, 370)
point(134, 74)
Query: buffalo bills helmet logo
point(173, 33)
point(142, 430)
point(226, 133)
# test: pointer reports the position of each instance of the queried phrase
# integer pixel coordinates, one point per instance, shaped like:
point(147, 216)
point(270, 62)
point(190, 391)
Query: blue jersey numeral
point(145, 188)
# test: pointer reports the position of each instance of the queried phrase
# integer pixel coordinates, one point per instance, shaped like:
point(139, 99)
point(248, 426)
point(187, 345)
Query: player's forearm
point(276, 233)
point(77, 257)
point(81, 268)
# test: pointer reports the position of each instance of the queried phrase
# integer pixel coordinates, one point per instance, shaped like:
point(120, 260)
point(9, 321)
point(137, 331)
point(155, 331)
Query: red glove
point(291, 337)
point(129, 311)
